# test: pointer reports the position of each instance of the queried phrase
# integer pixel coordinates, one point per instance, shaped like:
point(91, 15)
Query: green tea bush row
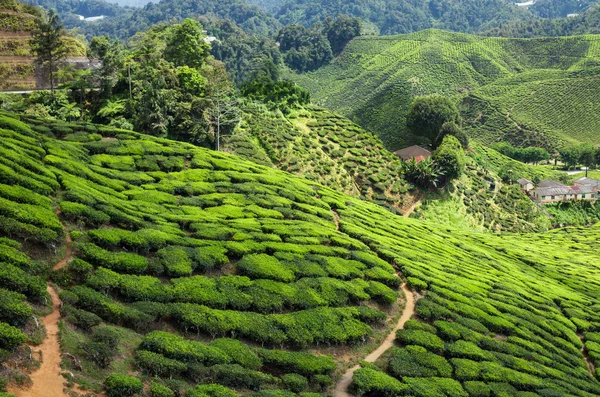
point(16, 279)
point(119, 261)
point(10, 337)
point(301, 328)
point(14, 310)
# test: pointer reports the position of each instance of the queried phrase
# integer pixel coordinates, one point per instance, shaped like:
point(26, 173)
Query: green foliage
point(280, 95)
point(526, 155)
point(159, 390)
point(299, 362)
point(421, 338)
point(428, 114)
point(122, 385)
point(210, 391)
point(294, 382)
point(10, 337)
point(265, 266)
point(506, 89)
point(304, 49)
point(500, 309)
point(450, 157)
point(416, 361)
point(368, 381)
point(186, 45)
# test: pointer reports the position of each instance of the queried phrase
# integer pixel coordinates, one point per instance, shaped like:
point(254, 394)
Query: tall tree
point(186, 45)
point(341, 31)
point(587, 157)
point(428, 114)
point(48, 45)
point(110, 54)
point(222, 110)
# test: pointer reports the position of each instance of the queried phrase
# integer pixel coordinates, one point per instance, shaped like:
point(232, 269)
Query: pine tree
point(48, 45)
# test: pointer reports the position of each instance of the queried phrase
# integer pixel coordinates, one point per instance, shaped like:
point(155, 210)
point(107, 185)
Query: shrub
point(464, 349)
point(81, 318)
point(450, 157)
point(103, 345)
point(299, 362)
point(233, 375)
point(416, 283)
point(265, 266)
point(158, 365)
point(18, 280)
point(420, 338)
point(209, 257)
point(294, 382)
point(10, 337)
point(160, 390)
point(81, 212)
point(416, 361)
point(466, 369)
point(426, 387)
point(210, 391)
point(477, 389)
point(372, 382)
point(187, 351)
point(240, 352)
point(13, 308)
point(117, 385)
point(118, 261)
point(176, 261)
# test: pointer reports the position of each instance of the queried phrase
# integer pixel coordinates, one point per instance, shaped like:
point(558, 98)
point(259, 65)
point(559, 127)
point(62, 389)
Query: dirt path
point(47, 380)
point(410, 210)
point(336, 219)
point(586, 358)
point(68, 253)
point(409, 309)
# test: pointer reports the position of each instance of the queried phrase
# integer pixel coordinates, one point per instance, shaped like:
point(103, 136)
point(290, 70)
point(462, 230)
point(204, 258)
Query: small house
point(565, 193)
point(550, 183)
point(526, 185)
point(587, 182)
point(413, 152)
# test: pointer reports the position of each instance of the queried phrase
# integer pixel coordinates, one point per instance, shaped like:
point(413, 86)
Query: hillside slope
point(323, 147)
point(532, 92)
point(176, 246)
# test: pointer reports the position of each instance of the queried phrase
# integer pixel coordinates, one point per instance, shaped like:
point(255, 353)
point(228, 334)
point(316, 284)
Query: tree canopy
point(428, 114)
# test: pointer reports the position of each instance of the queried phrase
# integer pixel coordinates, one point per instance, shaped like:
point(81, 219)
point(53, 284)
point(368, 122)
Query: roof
point(550, 183)
point(587, 182)
point(414, 151)
point(565, 190)
point(524, 181)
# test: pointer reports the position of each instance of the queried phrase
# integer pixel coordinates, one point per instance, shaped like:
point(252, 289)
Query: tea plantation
point(323, 147)
point(197, 273)
point(532, 92)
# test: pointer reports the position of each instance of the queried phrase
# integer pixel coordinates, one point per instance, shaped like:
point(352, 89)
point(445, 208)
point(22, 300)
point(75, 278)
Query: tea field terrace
point(196, 256)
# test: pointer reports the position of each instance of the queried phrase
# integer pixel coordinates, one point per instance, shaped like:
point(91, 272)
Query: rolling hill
point(541, 92)
point(215, 276)
point(329, 149)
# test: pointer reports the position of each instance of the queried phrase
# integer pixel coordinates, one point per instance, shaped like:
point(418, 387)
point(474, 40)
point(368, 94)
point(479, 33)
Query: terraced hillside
point(481, 199)
point(17, 67)
point(529, 91)
point(323, 147)
point(331, 150)
point(195, 270)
